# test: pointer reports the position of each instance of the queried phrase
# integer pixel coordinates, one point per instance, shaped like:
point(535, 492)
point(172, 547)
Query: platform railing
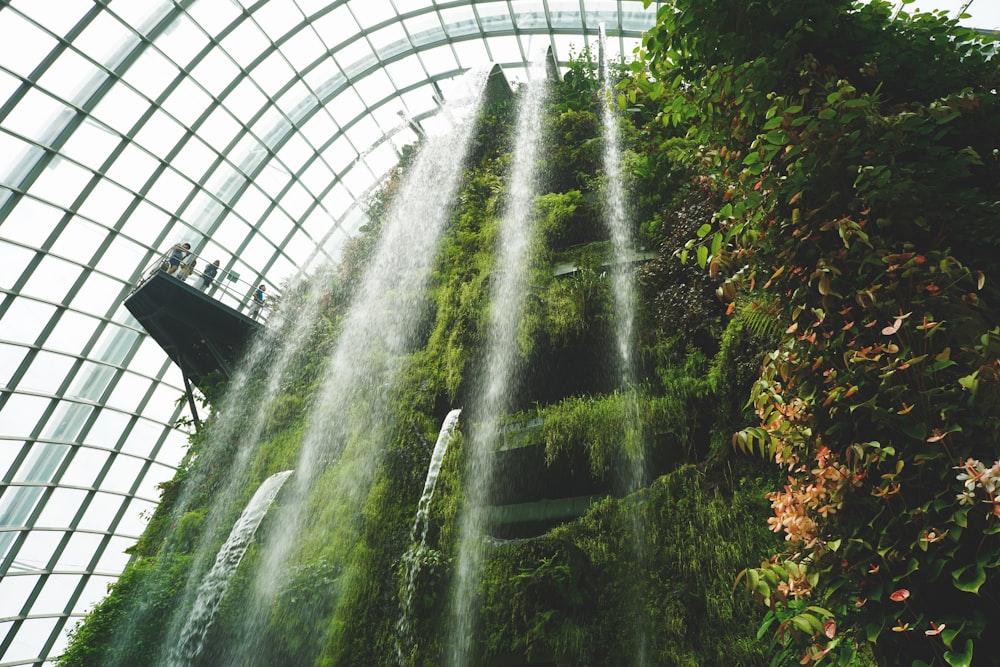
point(226, 287)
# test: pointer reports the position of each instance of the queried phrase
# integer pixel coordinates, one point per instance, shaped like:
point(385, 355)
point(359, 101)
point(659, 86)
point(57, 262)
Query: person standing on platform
point(258, 301)
point(177, 254)
point(187, 269)
point(208, 275)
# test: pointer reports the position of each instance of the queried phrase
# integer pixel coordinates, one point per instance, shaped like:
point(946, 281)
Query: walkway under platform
point(203, 336)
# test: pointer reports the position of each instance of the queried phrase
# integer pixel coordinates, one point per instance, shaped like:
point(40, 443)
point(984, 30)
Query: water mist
point(509, 290)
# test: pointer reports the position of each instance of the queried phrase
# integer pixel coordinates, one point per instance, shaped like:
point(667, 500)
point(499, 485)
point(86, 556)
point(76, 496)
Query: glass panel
point(123, 474)
point(31, 637)
point(214, 16)
point(11, 357)
point(187, 102)
point(51, 279)
point(120, 108)
point(129, 392)
point(156, 475)
point(182, 40)
point(425, 29)
point(194, 159)
point(72, 332)
point(61, 507)
point(114, 558)
point(459, 21)
point(77, 554)
point(133, 167)
point(374, 88)
point(107, 429)
point(319, 129)
point(24, 320)
point(273, 74)
point(82, 242)
point(316, 178)
point(15, 263)
point(38, 117)
point(146, 224)
point(160, 134)
point(106, 40)
point(219, 129)
point(72, 77)
point(94, 591)
point(373, 11)
point(215, 71)
point(335, 27)
point(99, 293)
point(161, 406)
point(143, 437)
point(101, 512)
point(123, 258)
point(14, 590)
point(83, 469)
point(245, 101)
point(505, 49)
point(133, 522)
point(405, 73)
point(277, 17)
point(38, 547)
point(91, 143)
point(56, 15)
point(303, 48)
point(441, 59)
point(56, 594)
point(61, 182)
point(245, 43)
point(389, 41)
point(22, 45)
point(47, 373)
point(106, 203)
point(169, 190)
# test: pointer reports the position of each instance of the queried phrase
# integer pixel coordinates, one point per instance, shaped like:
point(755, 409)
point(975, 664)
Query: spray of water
point(510, 287)
point(215, 584)
point(230, 438)
point(632, 477)
point(352, 411)
point(418, 539)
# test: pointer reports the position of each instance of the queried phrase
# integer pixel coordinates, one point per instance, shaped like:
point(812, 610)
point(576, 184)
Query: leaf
point(961, 658)
point(969, 578)
point(704, 230)
point(702, 256)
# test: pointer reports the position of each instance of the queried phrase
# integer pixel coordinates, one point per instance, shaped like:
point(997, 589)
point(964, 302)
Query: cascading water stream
point(352, 412)
point(215, 584)
point(418, 537)
point(623, 290)
point(507, 299)
point(230, 438)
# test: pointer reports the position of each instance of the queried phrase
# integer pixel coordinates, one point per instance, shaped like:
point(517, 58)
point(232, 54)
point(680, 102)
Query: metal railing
point(225, 286)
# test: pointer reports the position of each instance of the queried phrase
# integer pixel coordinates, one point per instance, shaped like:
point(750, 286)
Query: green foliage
point(576, 596)
point(127, 627)
point(841, 169)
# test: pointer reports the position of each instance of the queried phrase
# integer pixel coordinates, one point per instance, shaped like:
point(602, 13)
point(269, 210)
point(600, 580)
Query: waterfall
point(230, 438)
point(623, 242)
point(215, 584)
point(509, 289)
point(352, 409)
point(418, 537)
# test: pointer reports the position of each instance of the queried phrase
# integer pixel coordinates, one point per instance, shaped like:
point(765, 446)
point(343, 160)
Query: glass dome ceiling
point(253, 131)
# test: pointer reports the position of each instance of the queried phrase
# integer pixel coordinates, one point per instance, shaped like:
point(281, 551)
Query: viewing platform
point(204, 331)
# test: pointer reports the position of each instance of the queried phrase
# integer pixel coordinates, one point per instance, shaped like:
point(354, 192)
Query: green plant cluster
point(855, 156)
